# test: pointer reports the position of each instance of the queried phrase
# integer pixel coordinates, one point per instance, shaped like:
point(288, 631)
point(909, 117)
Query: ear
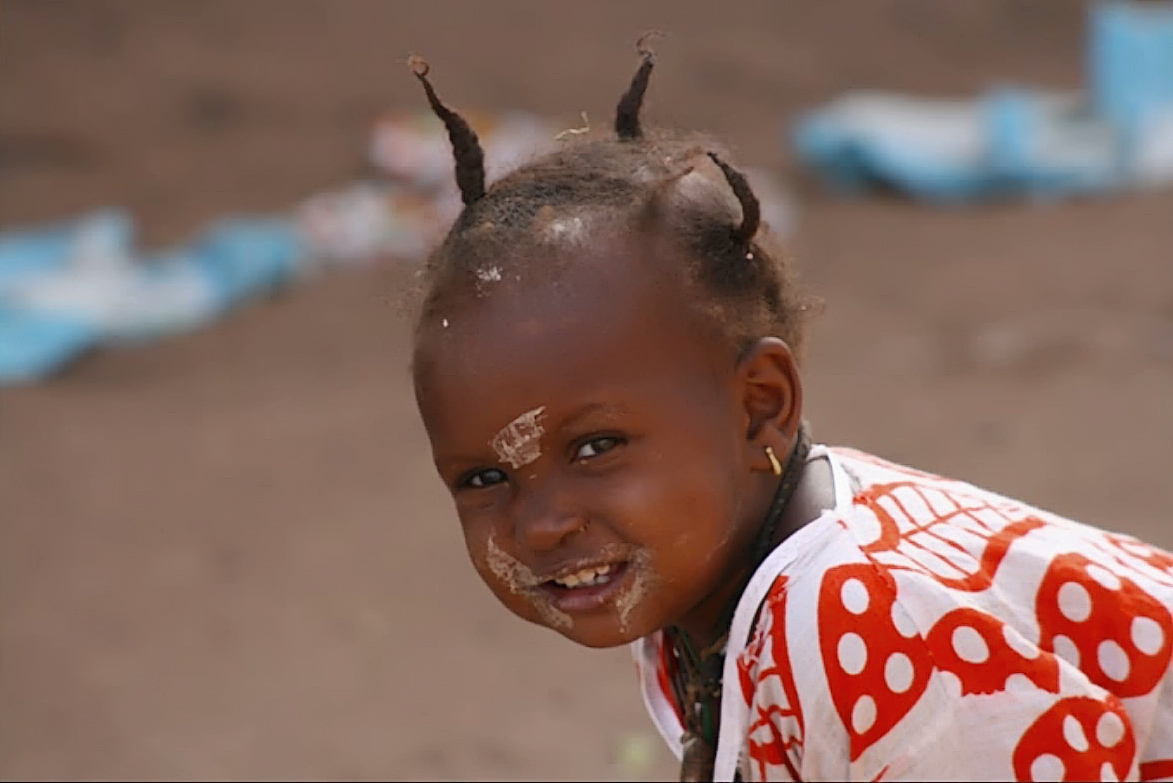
point(771, 396)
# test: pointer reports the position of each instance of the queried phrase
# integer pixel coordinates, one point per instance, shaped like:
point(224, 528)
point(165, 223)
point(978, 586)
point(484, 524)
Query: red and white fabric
point(924, 628)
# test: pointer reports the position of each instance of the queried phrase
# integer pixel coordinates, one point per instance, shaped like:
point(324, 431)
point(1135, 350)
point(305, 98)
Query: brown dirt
point(225, 556)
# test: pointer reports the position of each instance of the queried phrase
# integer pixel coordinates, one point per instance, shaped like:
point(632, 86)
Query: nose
point(544, 521)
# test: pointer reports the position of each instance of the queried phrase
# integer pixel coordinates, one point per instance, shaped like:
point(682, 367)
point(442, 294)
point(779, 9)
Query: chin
point(597, 629)
point(600, 635)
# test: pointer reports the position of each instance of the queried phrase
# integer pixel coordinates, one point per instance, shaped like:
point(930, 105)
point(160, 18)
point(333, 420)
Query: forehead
point(608, 322)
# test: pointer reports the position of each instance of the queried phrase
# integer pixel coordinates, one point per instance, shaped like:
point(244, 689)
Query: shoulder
point(874, 676)
point(901, 642)
point(964, 537)
point(983, 575)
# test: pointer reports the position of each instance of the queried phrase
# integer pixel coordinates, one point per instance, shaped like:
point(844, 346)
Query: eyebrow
point(588, 410)
point(585, 412)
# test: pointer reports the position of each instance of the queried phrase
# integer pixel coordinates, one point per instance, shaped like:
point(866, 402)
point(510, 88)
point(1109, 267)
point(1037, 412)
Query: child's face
point(591, 431)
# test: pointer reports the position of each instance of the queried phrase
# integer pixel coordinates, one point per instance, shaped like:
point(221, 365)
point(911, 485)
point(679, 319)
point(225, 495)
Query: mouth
point(586, 588)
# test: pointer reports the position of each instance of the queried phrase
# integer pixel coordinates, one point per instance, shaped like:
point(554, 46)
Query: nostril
point(547, 530)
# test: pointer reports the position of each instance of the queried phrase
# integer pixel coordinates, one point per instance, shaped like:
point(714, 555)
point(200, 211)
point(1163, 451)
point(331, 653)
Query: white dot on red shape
point(1109, 729)
point(1147, 635)
point(1047, 767)
point(853, 653)
point(1103, 576)
point(863, 715)
point(969, 645)
point(1113, 660)
point(1074, 602)
point(1020, 682)
point(898, 673)
point(1073, 734)
point(1066, 649)
point(854, 595)
point(1108, 773)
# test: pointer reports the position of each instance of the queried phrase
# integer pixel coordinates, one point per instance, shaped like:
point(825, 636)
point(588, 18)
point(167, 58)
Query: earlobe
point(771, 395)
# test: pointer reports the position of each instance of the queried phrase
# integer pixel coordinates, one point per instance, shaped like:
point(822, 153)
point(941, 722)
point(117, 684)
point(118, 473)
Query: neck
point(704, 623)
point(813, 493)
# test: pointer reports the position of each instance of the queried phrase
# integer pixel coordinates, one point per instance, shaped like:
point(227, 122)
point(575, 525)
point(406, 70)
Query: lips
point(585, 588)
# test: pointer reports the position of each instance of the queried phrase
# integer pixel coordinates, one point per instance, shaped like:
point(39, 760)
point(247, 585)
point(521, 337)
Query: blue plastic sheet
point(68, 287)
point(1015, 141)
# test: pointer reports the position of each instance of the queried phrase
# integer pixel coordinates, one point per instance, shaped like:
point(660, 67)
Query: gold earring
point(774, 463)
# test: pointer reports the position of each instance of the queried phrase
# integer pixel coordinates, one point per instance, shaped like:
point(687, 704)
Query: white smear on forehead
point(521, 580)
point(568, 231)
point(520, 442)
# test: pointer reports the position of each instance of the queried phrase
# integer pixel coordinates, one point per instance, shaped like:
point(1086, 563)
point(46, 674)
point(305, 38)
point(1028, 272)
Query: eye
point(482, 479)
point(596, 447)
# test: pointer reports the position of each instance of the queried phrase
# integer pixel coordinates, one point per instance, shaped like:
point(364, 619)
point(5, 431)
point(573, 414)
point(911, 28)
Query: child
point(606, 365)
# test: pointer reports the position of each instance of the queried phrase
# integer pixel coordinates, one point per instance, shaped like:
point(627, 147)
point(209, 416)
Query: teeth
point(586, 577)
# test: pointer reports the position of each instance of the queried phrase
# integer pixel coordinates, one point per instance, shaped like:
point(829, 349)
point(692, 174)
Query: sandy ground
point(226, 556)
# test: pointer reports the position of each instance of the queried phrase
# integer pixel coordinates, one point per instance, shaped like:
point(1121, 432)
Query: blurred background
point(225, 554)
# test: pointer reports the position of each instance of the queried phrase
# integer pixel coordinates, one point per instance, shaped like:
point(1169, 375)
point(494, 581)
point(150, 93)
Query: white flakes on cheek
point(643, 578)
point(521, 581)
point(520, 442)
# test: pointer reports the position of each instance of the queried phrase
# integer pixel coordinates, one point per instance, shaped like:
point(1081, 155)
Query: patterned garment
point(927, 629)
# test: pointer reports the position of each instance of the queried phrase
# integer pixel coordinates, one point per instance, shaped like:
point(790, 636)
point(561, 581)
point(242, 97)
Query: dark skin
point(651, 457)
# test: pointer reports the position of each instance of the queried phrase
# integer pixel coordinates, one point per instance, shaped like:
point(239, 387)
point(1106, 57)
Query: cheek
point(486, 556)
point(478, 554)
point(683, 516)
point(676, 502)
point(510, 580)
